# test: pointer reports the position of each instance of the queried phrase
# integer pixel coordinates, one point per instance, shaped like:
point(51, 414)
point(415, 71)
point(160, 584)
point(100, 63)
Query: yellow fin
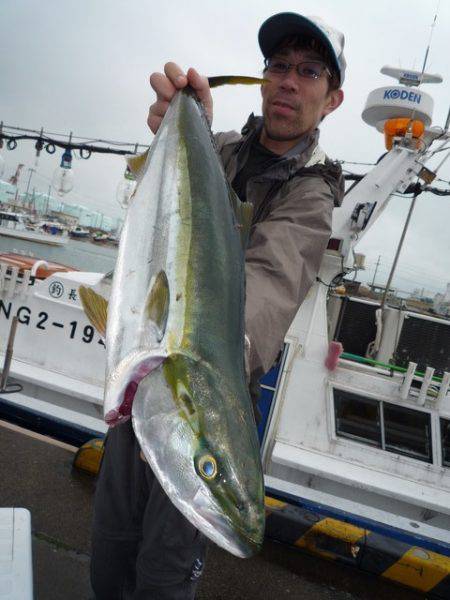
point(243, 212)
point(136, 162)
point(234, 80)
point(95, 307)
point(246, 217)
point(158, 303)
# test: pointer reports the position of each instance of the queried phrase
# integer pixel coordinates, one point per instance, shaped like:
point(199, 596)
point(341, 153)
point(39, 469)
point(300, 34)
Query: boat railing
point(421, 385)
point(15, 282)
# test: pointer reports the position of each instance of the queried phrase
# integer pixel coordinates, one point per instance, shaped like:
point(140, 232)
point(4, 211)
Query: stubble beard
point(280, 133)
point(280, 129)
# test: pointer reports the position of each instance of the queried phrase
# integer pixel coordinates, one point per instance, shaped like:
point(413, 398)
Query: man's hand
point(165, 86)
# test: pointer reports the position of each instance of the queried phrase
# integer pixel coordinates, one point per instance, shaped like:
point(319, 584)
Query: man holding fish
point(150, 520)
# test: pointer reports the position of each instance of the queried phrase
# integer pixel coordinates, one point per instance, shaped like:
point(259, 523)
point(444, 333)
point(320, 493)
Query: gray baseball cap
point(282, 25)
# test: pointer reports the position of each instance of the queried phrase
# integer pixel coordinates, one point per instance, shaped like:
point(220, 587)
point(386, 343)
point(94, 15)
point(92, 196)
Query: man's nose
point(290, 81)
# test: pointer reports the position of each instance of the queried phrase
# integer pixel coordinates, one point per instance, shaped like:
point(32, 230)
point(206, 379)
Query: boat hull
point(31, 236)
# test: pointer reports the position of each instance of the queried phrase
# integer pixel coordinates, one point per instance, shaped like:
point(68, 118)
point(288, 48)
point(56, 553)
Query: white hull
point(33, 236)
point(59, 360)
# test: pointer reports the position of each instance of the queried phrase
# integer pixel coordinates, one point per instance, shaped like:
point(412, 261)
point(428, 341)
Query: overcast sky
point(83, 66)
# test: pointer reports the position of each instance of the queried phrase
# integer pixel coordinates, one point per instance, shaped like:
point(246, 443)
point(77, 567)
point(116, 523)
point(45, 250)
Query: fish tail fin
point(234, 80)
point(95, 307)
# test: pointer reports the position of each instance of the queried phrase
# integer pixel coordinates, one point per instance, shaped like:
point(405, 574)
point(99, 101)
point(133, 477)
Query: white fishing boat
point(355, 448)
point(14, 224)
point(78, 232)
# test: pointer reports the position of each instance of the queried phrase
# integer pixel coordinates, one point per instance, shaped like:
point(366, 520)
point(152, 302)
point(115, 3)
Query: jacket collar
point(291, 162)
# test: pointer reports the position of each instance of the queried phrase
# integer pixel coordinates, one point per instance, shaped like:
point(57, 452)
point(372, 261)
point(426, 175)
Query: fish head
point(200, 441)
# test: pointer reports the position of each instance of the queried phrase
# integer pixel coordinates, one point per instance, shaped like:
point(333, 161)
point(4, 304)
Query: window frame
point(435, 442)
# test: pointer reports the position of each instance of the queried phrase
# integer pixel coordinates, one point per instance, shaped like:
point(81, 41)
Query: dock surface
point(36, 473)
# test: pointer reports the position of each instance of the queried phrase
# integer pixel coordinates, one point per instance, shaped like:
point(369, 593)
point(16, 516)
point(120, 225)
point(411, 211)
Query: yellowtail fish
point(175, 332)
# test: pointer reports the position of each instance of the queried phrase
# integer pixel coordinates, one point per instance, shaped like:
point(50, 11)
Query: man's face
point(294, 105)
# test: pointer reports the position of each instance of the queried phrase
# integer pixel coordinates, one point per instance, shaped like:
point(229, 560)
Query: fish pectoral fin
point(157, 304)
point(234, 80)
point(245, 217)
point(243, 212)
point(95, 307)
point(136, 162)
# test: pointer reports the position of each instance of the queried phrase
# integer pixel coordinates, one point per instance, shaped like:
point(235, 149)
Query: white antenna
point(423, 74)
point(429, 41)
point(422, 79)
point(410, 77)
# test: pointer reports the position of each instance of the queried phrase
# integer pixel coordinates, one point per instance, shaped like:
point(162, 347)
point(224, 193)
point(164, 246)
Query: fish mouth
point(234, 536)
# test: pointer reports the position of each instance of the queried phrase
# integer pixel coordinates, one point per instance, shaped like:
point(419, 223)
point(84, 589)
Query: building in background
point(40, 205)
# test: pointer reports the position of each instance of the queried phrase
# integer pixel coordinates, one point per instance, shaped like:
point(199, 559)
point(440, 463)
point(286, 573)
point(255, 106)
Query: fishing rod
point(12, 135)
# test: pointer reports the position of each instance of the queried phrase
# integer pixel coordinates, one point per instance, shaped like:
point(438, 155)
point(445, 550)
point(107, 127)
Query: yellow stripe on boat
point(419, 568)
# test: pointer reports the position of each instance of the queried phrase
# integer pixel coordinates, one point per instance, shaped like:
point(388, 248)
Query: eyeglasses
point(310, 69)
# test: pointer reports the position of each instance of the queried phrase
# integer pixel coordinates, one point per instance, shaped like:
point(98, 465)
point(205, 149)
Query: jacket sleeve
point(282, 261)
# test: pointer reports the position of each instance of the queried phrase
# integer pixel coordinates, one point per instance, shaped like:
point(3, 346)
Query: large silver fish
point(175, 333)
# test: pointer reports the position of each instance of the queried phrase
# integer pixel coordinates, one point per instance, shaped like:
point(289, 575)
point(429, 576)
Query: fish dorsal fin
point(136, 162)
point(157, 304)
point(95, 307)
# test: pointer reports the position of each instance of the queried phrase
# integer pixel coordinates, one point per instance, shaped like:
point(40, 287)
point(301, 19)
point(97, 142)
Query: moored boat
point(14, 224)
point(355, 442)
point(41, 268)
point(79, 233)
point(99, 238)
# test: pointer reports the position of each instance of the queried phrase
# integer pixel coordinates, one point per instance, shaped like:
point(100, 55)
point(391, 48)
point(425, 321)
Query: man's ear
point(334, 100)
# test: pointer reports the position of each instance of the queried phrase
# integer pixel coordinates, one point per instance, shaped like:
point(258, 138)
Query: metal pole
point(376, 269)
point(399, 248)
point(48, 199)
point(8, 355)
point(31, 170)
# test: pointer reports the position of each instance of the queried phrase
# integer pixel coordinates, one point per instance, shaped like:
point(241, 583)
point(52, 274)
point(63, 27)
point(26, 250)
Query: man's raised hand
point(167, 83)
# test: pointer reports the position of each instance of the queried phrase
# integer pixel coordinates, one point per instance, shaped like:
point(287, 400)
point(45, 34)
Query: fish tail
point(234, 80)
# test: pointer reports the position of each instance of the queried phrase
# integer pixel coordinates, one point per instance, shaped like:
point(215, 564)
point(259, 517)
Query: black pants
point(143, 548)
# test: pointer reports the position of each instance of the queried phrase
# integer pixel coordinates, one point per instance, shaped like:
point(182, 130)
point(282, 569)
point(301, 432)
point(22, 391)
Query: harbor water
point(80, 254)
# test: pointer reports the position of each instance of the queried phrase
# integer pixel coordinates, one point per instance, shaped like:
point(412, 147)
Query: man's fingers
point(154, 123)
point(200, 84)
point(163, 87)
point(176, 75)
point(159, 108)
point(167, 83)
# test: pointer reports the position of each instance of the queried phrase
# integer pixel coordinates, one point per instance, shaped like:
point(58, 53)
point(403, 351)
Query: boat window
point(407, 432)
point(388, 426)
point(445, 440)
point(357, 418)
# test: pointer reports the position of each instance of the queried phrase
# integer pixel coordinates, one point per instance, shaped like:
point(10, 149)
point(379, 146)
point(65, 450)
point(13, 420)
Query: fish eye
point(207, 466)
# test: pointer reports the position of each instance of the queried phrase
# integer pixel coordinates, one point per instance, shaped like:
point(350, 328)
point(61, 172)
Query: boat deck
point(40, 477)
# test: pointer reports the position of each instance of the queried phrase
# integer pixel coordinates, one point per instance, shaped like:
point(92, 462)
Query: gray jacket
point(293, 203)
